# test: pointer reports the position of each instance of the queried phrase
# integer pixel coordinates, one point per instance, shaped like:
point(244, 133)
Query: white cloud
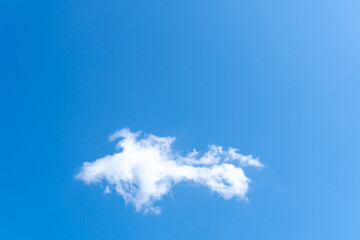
point(144, 168)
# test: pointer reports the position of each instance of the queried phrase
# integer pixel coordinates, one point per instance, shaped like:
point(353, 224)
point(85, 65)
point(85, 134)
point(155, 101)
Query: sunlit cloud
point(144, 167)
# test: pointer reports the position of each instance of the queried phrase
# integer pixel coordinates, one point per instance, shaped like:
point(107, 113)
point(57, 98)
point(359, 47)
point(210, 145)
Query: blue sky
point(275, 79)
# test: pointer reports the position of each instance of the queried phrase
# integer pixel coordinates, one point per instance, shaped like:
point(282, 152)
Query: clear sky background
point(276, 79)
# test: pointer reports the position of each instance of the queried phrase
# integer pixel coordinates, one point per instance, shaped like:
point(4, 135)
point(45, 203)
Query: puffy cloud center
point(143, 169)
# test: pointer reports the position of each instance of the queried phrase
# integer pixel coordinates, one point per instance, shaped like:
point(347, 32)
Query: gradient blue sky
point(276, 79)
